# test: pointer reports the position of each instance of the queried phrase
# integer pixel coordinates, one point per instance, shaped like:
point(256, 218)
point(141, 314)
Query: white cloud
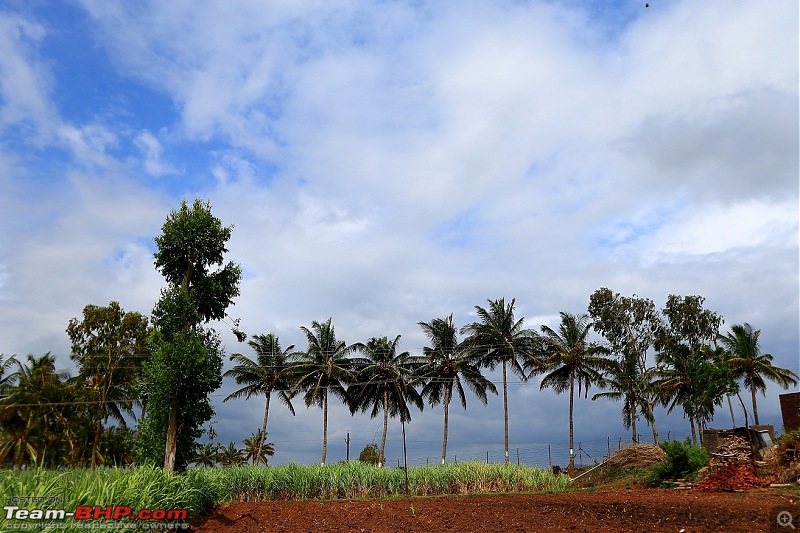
point(152, 151)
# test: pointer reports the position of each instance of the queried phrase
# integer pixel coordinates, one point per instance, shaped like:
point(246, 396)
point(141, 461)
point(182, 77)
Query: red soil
point(638, 509)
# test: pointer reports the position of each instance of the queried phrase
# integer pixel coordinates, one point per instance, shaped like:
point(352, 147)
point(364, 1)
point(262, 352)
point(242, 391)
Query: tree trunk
point(324, 426)
point(505, 409)
point(97, 431)
point(263, 428)
point(755, 407)
point(694, 434)
point(447, 393)
point(655, 431)
point(172, 439)
point(730, 406)
point(382, 455)
point(633, 427)
point(571, 432)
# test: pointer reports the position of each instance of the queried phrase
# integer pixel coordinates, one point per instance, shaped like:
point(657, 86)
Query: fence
point(587, 453)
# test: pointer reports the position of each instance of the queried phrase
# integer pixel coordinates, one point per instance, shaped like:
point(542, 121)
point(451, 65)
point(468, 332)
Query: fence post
point(487, 457)
point(549, 457)
point(517, 456)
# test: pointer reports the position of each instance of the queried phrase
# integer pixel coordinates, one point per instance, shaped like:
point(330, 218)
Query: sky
point(388, 162)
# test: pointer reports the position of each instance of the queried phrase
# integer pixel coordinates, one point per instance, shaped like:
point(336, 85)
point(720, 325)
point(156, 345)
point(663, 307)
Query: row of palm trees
point(255, 449)
point(374, 377)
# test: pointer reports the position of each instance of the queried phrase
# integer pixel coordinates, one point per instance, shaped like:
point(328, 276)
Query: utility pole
point(347, 440)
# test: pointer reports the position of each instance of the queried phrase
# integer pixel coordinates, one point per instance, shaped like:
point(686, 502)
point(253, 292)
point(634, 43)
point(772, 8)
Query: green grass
point(200, 490)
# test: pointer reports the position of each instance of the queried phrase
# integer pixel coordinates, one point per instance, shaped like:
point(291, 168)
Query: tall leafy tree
point(570, 359)
point(186, 358)
point(383, 383)
point(109, 346)
point(499, 338)
point(630, 326)
point(323, 369)
point(448, 369)
point(749, 364)
point(687, 327)
point(269, 372)
point(696, 379)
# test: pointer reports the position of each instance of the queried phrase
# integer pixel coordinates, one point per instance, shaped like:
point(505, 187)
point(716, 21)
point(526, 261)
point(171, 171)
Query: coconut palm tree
point(447, 369)
point(569, 359)
point(256, 449)
point(268, 373)
point(231, 455)
point(749, 363)
point(625, 381)
point(206, 455)
point(383, 383)
point(323, 369)
point(499, 338)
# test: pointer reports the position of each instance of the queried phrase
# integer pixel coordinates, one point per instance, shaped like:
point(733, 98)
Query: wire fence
point(545, 456)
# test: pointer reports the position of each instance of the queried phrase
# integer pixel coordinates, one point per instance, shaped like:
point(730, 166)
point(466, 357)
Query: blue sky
point(386, 163)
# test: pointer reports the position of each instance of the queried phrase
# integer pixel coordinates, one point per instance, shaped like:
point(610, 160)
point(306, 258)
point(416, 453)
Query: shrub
point(684, 459)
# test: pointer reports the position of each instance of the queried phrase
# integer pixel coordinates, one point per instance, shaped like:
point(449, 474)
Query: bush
point(684, 459)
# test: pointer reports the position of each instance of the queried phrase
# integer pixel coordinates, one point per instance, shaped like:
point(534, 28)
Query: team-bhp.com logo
point(162, 518)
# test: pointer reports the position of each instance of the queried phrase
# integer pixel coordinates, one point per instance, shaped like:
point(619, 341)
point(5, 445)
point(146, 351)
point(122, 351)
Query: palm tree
point(447, 365)
point(383, 383)
point(231, 456)
point(499, 338)
point(625, 381)
point(257, 449)
point(267, 374)
point(207, 455)
point(749, 363)
point(322, 369)
point(570, 359)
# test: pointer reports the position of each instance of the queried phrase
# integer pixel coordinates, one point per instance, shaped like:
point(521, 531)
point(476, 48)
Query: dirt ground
point(635, 509)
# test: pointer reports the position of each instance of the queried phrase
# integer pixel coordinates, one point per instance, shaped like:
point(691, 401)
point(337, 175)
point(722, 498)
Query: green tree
point(186, 359)
point(630, 326)
point(369, 454)
point(269, 372)
point(499, 338)
point(688, 326)
point(109, 346)
point(569, 358)
point(748, 363)
point(696, 379)
point(447, 369)
point(323, 369)
point(383, 383)
point(257, 449)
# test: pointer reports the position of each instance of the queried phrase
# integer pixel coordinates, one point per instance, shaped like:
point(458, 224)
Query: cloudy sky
point(385, 163)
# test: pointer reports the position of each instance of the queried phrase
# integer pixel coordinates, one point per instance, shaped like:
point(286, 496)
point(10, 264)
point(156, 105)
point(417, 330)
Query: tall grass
point(200, 490)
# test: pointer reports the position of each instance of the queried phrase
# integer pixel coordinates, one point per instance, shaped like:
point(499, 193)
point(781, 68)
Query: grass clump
point(684, 459)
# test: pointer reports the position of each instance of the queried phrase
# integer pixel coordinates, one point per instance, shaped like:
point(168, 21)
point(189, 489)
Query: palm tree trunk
point(382, 456)
point(505, 409)
point(633, 427)
point(263, 429)
point(755, 407)
point(447, 393)
point(730, 406)
point(571, 432)
point(694, 434)
point(655, 431)
point(324, 426)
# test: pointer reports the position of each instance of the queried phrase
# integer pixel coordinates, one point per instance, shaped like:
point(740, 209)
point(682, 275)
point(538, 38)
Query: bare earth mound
point(639, 509)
